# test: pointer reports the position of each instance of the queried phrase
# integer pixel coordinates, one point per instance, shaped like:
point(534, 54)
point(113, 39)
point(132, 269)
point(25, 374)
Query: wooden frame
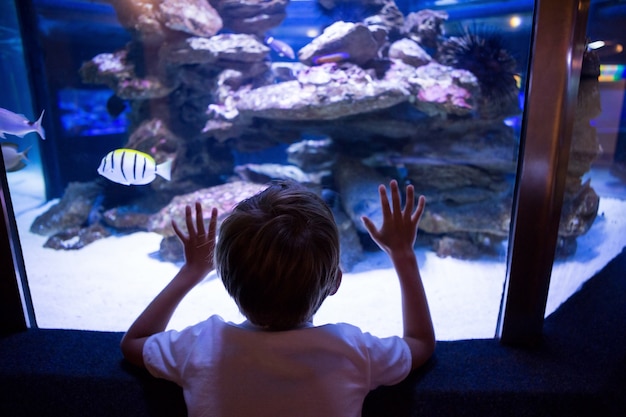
point(551, 96)
point(16, 312)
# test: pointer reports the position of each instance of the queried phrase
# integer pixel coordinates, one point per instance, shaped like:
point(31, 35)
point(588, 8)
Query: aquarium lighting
point(596, 44)
point(606, 48)
point(312, 32)
point(515, 21)
point(612, 73)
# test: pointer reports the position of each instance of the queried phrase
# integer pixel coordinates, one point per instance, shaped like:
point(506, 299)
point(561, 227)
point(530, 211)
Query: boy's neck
point(251, 326)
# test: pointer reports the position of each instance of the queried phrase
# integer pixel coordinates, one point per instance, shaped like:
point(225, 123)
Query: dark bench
point(579, 370)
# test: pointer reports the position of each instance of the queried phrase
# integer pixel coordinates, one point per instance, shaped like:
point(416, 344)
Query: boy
point(278, 257)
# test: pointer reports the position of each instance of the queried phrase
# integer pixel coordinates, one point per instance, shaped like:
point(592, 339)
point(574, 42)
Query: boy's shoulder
point(313, 335)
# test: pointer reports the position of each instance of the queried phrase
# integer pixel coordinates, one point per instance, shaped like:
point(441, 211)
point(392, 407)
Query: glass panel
point(593, 229)
point(19, 154)
point(426, 92)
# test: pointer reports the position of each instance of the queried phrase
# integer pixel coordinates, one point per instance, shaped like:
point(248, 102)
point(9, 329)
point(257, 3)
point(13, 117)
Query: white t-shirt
point(239, 370)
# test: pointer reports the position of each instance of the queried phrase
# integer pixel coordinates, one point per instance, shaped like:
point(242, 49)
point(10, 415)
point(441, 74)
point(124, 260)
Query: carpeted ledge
point(580, 370)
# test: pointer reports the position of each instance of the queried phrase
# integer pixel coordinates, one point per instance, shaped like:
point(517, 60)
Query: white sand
point(105, 285)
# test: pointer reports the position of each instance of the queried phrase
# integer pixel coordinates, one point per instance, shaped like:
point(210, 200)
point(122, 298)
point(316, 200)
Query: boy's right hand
point(397, 236)
point(399, 229)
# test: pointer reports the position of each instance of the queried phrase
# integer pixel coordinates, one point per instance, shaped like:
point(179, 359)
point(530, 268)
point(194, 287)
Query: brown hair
point(278, 255)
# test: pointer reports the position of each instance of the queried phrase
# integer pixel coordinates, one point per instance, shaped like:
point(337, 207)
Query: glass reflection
point(592, 230)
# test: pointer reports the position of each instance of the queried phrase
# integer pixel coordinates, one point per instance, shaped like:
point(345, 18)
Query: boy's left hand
point(199, 245)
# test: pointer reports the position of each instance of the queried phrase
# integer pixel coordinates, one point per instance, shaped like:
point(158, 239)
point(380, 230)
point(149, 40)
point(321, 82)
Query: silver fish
point(280, 47)
point(13, 159)
point(19, 125)
point(131, 167)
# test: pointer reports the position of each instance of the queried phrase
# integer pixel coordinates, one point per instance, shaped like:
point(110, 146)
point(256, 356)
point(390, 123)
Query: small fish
point(13, 159)
point(115, 106)
point(19, 125)
point(336, 57)
point(280, 47)
point(131, 167)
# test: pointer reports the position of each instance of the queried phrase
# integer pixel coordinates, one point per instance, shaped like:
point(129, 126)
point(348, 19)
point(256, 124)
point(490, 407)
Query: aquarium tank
point(132, 109)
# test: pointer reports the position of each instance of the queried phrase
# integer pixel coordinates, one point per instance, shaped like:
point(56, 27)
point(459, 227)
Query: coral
point(71, 211)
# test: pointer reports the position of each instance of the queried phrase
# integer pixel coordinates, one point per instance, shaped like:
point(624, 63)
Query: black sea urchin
point(483, 54)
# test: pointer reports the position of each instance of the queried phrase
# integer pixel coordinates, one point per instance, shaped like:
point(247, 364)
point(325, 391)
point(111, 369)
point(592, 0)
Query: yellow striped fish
point(131, 167)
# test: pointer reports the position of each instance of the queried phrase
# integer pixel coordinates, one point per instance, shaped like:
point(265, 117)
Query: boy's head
point(278, 255)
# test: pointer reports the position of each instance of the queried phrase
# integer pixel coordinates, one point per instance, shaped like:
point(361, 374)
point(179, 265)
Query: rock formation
point(367, 101)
